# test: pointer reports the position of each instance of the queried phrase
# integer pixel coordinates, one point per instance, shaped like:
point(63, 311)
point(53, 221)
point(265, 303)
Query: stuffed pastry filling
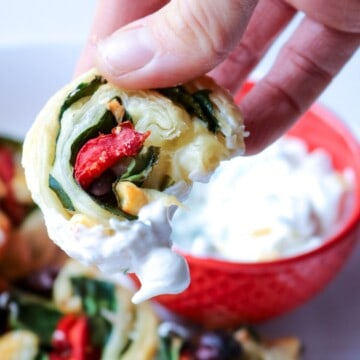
point(109, 166)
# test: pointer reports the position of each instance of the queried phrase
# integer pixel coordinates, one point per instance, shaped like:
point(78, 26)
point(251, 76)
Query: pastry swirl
point(108, 166)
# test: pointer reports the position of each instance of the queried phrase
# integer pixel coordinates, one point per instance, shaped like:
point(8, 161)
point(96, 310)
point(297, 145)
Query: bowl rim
point(350, 225)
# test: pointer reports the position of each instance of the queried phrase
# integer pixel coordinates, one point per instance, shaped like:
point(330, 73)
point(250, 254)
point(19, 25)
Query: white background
point(40, 41)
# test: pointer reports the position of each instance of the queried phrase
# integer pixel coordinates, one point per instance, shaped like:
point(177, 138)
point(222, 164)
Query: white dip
point(279, 203)
point(141, 246)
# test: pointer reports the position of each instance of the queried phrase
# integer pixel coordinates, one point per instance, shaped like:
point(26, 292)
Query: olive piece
point(103, 184)
point(217, 345)
point(40, 282)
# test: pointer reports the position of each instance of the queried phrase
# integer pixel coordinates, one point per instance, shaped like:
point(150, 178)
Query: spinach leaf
point(109, 203)
point(203, 98)
point(81, 91)
point(61, 194)
point(198, 104)
point(100, 330)
point(42, 355)
point(141, 166)
point(137, 171)
point(37, 315)
point(169, 348)
point(104, 126)
point(96, 295)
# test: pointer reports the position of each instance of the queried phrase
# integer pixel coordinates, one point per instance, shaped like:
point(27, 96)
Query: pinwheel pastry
point(24, 242)
point(108, 166)
point(73, 312)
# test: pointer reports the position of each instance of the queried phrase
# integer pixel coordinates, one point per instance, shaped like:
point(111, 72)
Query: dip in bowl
point(227, 292)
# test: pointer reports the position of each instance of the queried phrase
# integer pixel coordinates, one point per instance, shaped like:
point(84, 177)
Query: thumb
point(184, 39)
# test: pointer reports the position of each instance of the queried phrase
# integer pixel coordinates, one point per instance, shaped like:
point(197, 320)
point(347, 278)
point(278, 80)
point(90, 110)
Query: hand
point(154, 43)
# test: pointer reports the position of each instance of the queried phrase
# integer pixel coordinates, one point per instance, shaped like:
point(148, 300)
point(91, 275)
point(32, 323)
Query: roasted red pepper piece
point(71, 340)
point(8, 202)
point(7, 167)
point(104, 151)
point(60, 341)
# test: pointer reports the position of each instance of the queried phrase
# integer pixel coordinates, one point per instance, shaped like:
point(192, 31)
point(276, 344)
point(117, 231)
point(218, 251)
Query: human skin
point(147, 44)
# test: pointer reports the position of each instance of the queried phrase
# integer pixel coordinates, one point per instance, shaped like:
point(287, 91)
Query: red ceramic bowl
point(225, 293)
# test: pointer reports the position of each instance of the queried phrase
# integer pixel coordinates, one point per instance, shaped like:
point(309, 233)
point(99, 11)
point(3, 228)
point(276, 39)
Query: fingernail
point(126, 50)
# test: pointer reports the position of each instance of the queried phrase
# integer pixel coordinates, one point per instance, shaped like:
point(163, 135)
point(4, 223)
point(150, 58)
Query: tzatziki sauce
point(141, 246)
point(279, 203)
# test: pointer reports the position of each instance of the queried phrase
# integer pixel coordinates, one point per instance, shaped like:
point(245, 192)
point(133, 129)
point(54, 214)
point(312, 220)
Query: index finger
point(305, 66)
point(109, 16)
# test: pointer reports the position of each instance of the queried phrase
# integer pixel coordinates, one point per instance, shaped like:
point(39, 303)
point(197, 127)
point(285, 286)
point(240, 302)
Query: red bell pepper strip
point(71, 340)
point(101, 153)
